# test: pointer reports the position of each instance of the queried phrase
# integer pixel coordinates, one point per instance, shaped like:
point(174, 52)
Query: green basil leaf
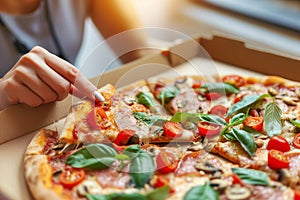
point(252, 131)
point(184, 116)
point(237, 119)
point(132, 151)
point(246, 140)
point(272, 119)
point(212, 119)
point(229, 136)
point(93, 156)
point(141, 169)
point(161, 193)
point(296, 123)
point(244, 103)
point(145, 118)
point(203, 192)
point(221, 88)
point(145, 99)
point(168, 93)
point(251, 176)
point(117, 196)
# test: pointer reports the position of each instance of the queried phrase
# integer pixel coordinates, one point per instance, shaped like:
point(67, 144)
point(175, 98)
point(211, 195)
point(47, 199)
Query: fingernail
point(98, 96)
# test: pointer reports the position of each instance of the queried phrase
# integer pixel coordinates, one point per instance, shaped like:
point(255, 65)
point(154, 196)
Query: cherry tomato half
point(173, 129)
point(124, 136)
point(277, 160)
point(166, 162)
point(297, 194)
point(162, 181)
point(71, 177)
point(213, 96)
point(254, 122)
point(218, 110)
point(208, 129)
point(196, 84)
point(237, 180)
point(236, 80)
point(296, 141)
point(279, 143)
point(95, 117)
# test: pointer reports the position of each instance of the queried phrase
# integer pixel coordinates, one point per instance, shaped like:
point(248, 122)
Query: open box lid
point(19, 120)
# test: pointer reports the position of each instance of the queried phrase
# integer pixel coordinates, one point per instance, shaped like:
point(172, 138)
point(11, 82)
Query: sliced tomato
point(124, 136)
point(173, 129)
point(297, 193)
point(254, 122)
point(71, 177)
point(236, 80)
point(277, 160)
point(296, 141)
point(213, 96)
point(208, 129)
point(166, 162)
point(96, 117)
point(196, 84)
point(138, 108)
point(279, 143)
point(162, 181)
point(237, 180)
point(218, 110)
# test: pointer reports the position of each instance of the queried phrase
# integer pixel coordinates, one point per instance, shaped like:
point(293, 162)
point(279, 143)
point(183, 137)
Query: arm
point(116, 16)
point(41, 77)
point(16, 7)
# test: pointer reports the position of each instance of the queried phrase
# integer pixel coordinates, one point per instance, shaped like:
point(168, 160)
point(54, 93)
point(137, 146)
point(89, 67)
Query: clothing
point(67, 18)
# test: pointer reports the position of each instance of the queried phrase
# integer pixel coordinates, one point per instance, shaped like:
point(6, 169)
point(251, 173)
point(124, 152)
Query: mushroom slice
point(88, 186)
point(219, 184)
point(237, 192)
point(206, 167)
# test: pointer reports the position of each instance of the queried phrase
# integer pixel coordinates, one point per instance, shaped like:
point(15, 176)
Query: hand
point(40, 77)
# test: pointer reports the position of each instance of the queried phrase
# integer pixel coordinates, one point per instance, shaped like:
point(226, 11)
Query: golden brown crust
point(38, 172)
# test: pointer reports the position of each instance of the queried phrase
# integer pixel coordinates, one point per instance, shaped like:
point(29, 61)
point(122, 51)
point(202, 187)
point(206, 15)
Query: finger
point(70, 73)
point(28, 77)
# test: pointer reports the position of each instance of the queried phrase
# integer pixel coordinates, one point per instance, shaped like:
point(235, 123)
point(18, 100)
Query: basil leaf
point(244, 103)
point(212, 119)
point(229, 136)
point(132, 151)
point(252, 131)
point(296, 123)
point(184, 116)
point(93, 156)
point(252, 176)
point(141, 169)
point(161, 193)
point(272, 119)
point(167, 94)
point(203, 192)
point(117, 196)
point(145, 118)
point(237, 119)
point(246, 140)
point(145, 99)
point(221, 88)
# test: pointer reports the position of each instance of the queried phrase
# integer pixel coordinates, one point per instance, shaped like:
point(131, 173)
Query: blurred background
point(270, 25)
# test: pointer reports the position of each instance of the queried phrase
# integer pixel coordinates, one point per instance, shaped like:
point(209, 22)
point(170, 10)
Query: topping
point(213, 96)
point(296, 141)
point(206, 167)
point(138, 108)
point(219, 184)
point(237, 192)
point(254, 122)
point(236, 80)
point(208, 129)
point(97, 118)
point(290, 101)
point(71, 177)
point(218, 110)
point(277, 160)
point(279, 143)
point(124, 137)
point(166, 162)
point(173, 129)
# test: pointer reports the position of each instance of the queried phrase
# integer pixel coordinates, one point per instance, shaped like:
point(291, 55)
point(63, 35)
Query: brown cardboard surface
point(22, 123)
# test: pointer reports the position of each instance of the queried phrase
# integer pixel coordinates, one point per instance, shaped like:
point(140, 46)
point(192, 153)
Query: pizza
point(174, 138)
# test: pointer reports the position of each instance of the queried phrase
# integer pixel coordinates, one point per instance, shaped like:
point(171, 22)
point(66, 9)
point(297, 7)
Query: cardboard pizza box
point(203, 56)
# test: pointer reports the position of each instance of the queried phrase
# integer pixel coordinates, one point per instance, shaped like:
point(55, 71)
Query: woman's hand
point(40, 77)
